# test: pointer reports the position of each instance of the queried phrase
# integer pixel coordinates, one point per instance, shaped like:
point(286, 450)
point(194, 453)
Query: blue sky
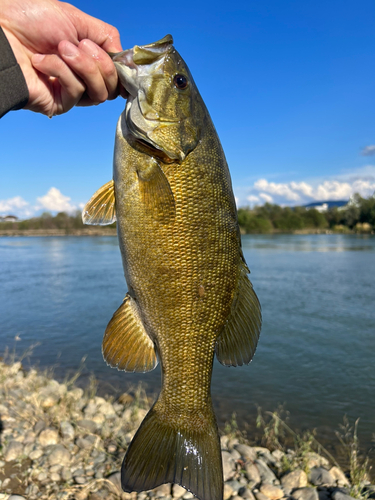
point(290, 86)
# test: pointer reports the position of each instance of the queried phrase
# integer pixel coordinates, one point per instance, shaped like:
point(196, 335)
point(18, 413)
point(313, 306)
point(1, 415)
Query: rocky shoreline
point(60, 442)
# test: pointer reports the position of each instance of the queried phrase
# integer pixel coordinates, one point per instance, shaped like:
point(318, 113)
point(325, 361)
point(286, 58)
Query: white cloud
point(252, 198)
point(368, 150)
point(266, 197)
point(340, 187)
point(55, 201)
point(12, 204)
point(277, 189)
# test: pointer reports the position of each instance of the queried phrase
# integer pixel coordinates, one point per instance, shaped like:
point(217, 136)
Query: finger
point(86, 68)
point(69, 89)
point(103, 34)
point(105, 65)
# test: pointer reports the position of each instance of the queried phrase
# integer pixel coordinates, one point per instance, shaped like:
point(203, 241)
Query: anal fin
point(126, 344)
point(238, 340)
point(100, 209)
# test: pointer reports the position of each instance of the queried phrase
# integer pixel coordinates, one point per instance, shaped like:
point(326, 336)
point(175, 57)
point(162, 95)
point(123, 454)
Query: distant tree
point(314, 219)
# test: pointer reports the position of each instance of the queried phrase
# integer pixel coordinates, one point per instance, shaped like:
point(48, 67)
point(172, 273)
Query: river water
point(317, 348)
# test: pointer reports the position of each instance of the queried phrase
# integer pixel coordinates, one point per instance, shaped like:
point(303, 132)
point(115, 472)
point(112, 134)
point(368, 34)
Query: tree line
point(358, 215)
point(67, 222)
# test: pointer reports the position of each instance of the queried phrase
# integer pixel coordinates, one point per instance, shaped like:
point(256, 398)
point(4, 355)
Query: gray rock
point(266, 474)
point(235, 454)
point(66, 473)
point(32, 490)
point(252, 474)
point(100, 459)
point(294, 480)
point(340, 495)
point(48, 437)
point(339, 476)
point(29, 437)
point(55, 468)
point(228, 491)
point(115, 479)
point(84, 443)
point(107, 409)
point(224, 442)
point(80, 480)
point(111, 448)
point(278, 454)
point(90, 425)
point(246, 452)
point(260, 496)
point(16, 497)
point(75, 394)
point(2, 463)
point(235, 485)
point(39, 426)
point(229, 465)
point(42, 476)
point(48, 397)
point(305, 494)
point(14, 451)
point(59, 455)
point(163, 490)
point(35, 454)
point(67, 430)
point(271, 491)
point(324, 494)
point(245, 492)
point(178, 491)
point(321, 477)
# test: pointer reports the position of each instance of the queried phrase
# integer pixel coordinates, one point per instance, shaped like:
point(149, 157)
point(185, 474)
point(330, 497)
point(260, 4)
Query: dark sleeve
point(13, 89)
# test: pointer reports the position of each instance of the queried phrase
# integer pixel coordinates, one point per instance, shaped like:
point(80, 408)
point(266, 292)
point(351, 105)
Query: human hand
point(62, 54)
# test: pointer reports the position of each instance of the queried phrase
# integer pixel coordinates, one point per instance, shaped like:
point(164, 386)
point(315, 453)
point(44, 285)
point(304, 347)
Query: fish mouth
point(141, 61)
point(134, 67)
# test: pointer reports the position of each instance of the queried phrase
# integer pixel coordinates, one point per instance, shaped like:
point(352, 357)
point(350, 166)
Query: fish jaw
point(167, 124)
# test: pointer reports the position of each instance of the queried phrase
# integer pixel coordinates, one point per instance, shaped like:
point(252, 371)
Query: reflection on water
point(317, 343)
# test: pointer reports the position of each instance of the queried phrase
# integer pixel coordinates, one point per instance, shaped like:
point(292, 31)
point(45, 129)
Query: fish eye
point(180, 81)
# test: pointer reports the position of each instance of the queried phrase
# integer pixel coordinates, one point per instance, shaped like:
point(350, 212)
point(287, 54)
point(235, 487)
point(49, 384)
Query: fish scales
point(186, 324)
point(189, 295)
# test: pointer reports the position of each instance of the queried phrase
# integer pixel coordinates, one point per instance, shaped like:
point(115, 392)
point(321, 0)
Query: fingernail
point(37, 58)
point(69, 50)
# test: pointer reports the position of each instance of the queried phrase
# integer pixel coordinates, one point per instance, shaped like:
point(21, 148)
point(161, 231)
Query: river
point(316, 350)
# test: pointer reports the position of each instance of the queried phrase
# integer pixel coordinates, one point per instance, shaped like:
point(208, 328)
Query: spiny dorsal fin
point(156, 193)
point(100, 209)
point(237, 342)
point(126, 344)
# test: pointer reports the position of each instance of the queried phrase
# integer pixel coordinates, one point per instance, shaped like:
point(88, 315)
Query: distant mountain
point(327, 204)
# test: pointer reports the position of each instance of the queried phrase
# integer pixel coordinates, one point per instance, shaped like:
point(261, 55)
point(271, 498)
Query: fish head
point(163, 108)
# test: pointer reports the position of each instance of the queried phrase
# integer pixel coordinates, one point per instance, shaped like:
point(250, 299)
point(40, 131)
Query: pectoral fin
point(156, 193)
point(126, 344)
point(237, 342)
point(100, 209)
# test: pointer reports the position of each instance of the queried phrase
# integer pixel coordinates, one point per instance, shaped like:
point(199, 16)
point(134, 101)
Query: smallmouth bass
point(189, 293)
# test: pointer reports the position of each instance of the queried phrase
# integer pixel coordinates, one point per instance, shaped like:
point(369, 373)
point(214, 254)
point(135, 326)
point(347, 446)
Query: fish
point(189, 295)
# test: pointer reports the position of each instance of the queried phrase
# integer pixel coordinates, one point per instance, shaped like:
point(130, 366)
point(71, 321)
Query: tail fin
point(168, 452)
